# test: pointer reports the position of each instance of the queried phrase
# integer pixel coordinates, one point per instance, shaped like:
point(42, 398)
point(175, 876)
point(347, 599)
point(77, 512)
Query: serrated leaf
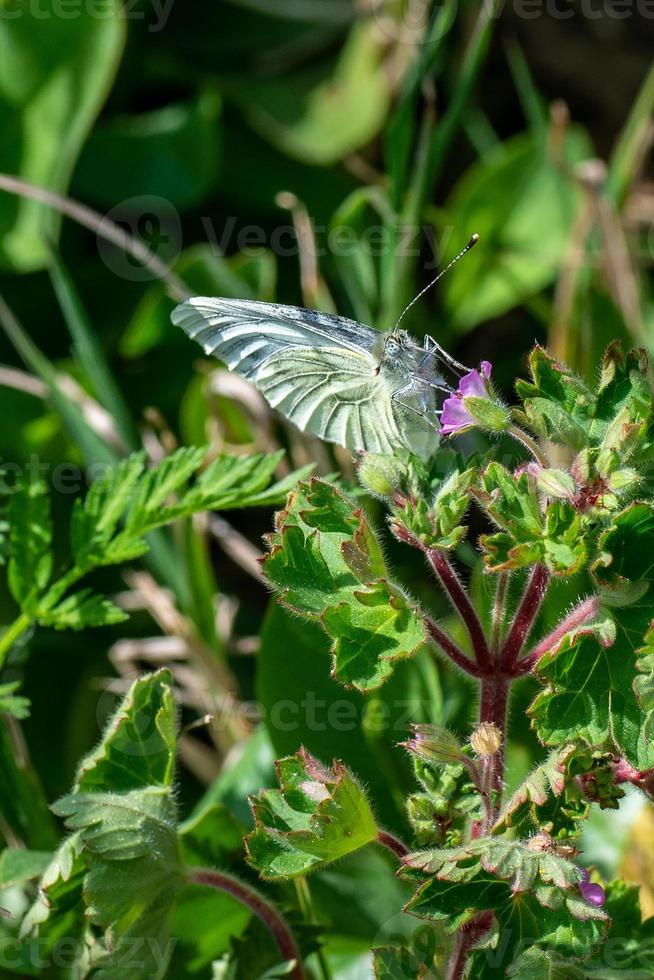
point(557, 404)
point(120, 869)
point(82, 610)
point(556, 796)
point(590, 687)
point(30, 544)
point(13, 704)
point(149, 506)
point(317, 816)
point(138, 748)
point(531, 891)
point(326, 563)
point(94, 521)
point(58, 907)
point(134, 873)
point(371, 634)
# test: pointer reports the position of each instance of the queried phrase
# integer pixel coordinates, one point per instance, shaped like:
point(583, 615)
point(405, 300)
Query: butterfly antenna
point(471, 244)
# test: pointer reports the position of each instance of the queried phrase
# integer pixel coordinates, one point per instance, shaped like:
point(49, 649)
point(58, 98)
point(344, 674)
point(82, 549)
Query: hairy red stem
point(580, 615)
point(524, 618)
point(461, 602)
point(259, 906)
point(451, 649)
point(393, 843)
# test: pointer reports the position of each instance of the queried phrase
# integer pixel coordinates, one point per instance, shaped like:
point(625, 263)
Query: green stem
point(11, 634)
point(521, 436)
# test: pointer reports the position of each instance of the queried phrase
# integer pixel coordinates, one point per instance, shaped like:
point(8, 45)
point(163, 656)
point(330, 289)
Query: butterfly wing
point(317, 369)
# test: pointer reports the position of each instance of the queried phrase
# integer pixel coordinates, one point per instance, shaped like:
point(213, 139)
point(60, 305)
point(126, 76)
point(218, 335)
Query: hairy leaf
point(326, 563)
point(317, 816)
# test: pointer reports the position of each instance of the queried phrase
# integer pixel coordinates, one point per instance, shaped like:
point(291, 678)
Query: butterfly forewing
point(319, 370)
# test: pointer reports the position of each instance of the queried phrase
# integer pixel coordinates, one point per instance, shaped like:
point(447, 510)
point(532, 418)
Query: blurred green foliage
point(331, 154)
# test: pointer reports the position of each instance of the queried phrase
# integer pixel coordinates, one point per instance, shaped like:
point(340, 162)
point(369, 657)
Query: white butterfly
point(333, 377)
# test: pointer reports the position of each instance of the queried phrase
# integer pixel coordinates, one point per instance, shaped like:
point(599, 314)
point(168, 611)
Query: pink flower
point(455, 417)
point(592, 893)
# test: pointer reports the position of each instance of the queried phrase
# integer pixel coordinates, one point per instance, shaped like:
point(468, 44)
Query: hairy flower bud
point(486, 740)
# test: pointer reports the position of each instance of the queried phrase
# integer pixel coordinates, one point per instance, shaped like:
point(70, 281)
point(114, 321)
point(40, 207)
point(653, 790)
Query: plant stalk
point(524, 618)
point(259, 906)
point(392, 843)
point(451, 650)
point(461, 602)
point(13, 633)
point(580, 615)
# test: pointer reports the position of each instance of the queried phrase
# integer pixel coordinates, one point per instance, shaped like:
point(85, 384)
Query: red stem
point(393, 843)
point(461, 602)
point(260, 907)
point(581, 614)
point(493, 708)
point(450, 649)
point(524, 618)
point(466, 939)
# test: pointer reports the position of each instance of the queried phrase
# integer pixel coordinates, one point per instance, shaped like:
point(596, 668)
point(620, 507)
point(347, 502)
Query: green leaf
point(30, 544)
point(557, 404)
point(625, 953)
point(121, 868)
point(318, 816)
point(531, 890)
point(590, 687)
point(320, 117)
point(54, 76)
point(210, 837)
point(556, 795)
point(18, 866)
point(174, 152)
point(137, 750)
point(57, 909)
point(644, 683)
point(326, 563)
point(94, 521)
point(134, 872)
point(522, 205)
point(13, 704)
point(82, 610)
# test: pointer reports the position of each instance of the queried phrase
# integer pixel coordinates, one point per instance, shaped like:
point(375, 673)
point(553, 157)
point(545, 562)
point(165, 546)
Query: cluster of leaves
point(109, 527)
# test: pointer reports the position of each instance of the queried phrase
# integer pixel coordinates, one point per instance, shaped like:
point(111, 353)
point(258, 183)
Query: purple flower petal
point(592, 893)
point(472, 384)
point(455, 417)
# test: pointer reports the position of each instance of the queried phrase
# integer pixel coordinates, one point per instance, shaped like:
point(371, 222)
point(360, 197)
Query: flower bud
point(435, 745)
point(486, 740)
point(556, 483)
point(381, 475)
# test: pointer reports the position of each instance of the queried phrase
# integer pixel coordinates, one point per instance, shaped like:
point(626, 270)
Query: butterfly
point(333, 377)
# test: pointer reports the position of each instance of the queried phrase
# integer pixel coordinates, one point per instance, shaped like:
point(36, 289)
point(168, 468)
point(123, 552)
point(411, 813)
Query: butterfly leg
point(404, 390)
point(431, 346)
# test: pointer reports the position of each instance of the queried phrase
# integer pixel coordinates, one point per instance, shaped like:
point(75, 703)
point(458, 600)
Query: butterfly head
point(394, 348)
